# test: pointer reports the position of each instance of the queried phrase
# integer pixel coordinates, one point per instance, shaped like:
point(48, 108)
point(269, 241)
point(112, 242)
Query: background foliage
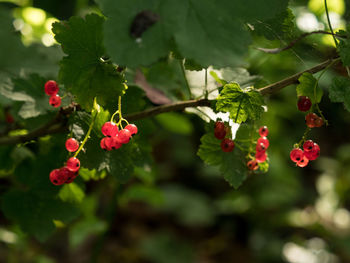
point(155, 200)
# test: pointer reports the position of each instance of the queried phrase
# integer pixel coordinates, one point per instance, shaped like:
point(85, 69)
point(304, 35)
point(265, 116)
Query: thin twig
point(291, 44)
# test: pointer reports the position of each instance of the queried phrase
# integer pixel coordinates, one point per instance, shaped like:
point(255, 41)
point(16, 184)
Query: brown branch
point(274, 87)
point(291, 44)
point(59, 123)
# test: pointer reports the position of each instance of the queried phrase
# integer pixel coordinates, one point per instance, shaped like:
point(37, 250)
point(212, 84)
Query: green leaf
point(71, 193)
point(339, 91)
point(307, 86)
point(217, 79)
point(241, 104)
point(230, 164)
point(344, 46)
point(84, 73)
point(29, 94)
point(34, 214)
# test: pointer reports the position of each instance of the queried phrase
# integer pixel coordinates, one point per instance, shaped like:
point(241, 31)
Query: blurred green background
point(181, 210)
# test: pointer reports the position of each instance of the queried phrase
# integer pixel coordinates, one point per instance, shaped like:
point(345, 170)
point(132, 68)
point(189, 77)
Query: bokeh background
point(183, 211)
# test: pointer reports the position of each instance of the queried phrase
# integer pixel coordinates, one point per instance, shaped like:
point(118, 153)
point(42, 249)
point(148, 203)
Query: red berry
point(109, 129)
point(263, 131)
point(304, 103)
point(124, 136)
point(219, 125)
point(227, 145)
point(308, 145)
point(102, 144)
point(310, 119)
point(116, 143)
point(55, 100)
point(132, 128)
point(260, 147)
point(9, 118)
point(314, 153)
point(303, 162)
point(220, 134)
point(71, 177)
point(66, 174)
point(252, 165)
point(296, 155)
point(108, 143)
point(260, 157)
point(72, 145)
point(55, 177)
point(318, 122)
point(73, 164)
point(51, 87)
point(264, 141)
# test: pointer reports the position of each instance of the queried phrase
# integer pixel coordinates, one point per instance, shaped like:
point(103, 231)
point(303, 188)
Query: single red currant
point(318, 122)
point(72, 145)
point(66, 174)
point(260, 147)
point(219, 125)
point(252, 165)
point(260, 157)
point(303, 162)
point(73, 164)
point(71, 177)
point(220, 134)
point(51, 87)
point(314, 153)
point(296, 155)
point(102, 143)
point(304, 103)
point(124, 136)
point(263, 131)
point(116, 144)
point(227, 145)
point(132, 128)
point(264, 141)
point(310, 119)
point(109, 129)
point(9, 118)
point(55, 100)
point(108, 143)
point(55, 177)
point(308, 145)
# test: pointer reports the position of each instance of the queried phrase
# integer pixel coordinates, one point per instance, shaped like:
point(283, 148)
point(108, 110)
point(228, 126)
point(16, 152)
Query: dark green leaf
point(308, 86)
point(339, 91)
point(84, 72)
point(241, 104)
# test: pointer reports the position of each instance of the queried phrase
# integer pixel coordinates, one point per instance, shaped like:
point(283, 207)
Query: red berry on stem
point(72, 145)
point(51, 87)
point(102, 144)
point(220, 134)
point(260, 147)
point(304, 103)
point(124, 136)
point(318, 122)
point(109, 129)
point(73, 164)
point(308, 145)
point(314, 153)
point(264, 141)
point(310, 119)
point(263, 131)
point(132, 128)
point(116, 143)
point(296, 155)
point(108, 143)
point(227, 145)
point(55, 177)
point(219, 125)
point(260, 157)
point(303, 162)
point(252, 165)
point(9, 118)
point(55, 100)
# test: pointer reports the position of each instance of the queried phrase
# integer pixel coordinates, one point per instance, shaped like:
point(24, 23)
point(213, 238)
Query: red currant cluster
point(67, 174)
point(115, 138)
point(310, 152)
point(220, 132)
point(312, 119)
point(51, 89)
point(261, 146)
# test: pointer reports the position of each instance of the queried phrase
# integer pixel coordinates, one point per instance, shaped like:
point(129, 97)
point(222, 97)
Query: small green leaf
point(71, 193)
point(217, 79)
point(308, 86)
point(231, 165)
point(339, 91)
point(241, 104)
